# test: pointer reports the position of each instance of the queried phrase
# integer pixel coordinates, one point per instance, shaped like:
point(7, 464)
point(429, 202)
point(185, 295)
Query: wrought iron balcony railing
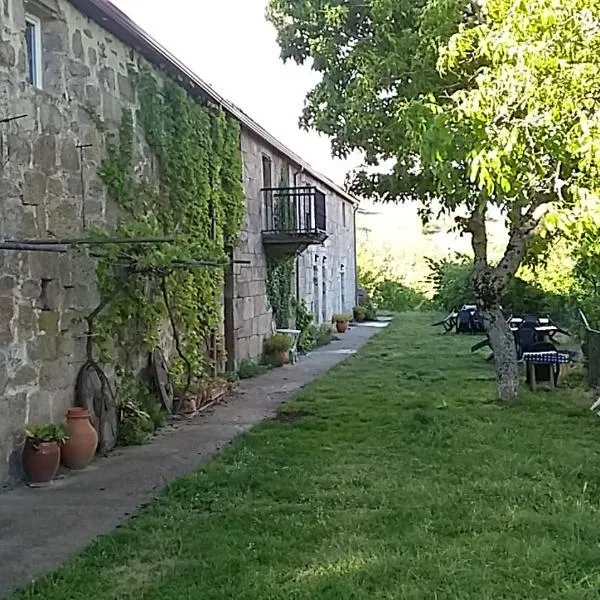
point(295, 210)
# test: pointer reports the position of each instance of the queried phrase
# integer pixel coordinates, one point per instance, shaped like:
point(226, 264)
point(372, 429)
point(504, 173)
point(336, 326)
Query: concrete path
point(41, 528)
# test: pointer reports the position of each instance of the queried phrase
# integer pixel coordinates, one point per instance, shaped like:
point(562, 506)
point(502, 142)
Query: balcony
point(295, 218)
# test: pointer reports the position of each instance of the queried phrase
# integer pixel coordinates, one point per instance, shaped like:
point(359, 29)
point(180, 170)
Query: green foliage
point(359, 312)
point(140, 413)
point(279, 342)
point(198, 200)
point(341, 317)
point(305, 323)
point(450, 280)
point(469, 107)
point(387, 292)
point(48, 432)
point(249, 369)
point(324, 335)
point(452, 287)
point(279, 289)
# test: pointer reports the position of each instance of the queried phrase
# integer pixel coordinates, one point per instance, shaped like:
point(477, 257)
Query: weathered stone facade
point(49, 187)
point(325, 274)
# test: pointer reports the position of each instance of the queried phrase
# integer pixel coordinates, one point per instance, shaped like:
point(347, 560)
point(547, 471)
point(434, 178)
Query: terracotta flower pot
point(41, 461)
point(341, 326)
point(79, 450)
point(283, 357)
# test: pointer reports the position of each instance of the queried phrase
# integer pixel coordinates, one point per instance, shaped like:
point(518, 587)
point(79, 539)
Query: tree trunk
point(505, 353)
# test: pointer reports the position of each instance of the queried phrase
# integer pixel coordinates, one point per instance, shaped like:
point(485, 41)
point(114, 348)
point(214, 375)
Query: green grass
point(406, 481)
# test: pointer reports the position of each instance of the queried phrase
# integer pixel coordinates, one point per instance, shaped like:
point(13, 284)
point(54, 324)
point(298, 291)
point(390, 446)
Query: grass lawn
point(405, 481)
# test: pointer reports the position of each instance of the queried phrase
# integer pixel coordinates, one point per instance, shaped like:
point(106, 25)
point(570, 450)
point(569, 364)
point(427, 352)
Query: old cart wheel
point(162, 379)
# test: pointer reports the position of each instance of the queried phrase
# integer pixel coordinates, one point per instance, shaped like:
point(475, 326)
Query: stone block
point(16, 405)
point(55, 187)
point(242, 349)
point(77, 69)
point(44, 266)
point(77, 45)
point(7, 285)
point(63, 218)
point(7, 313)
point(50, 119)
point(43, 348)
point(92, 56)
point(69, 157)
point(34, 188)
point(26, 321)
point(24, 377)
point(256, 346)
point(40, 407)
point(44, 153)
point(248, 309)
point(3, 376)
point(265, 324)
point(126, 88)
point(48, 322)
point(56, 375)
point(260, 305)
point(112, 110)
point(7, 55)
point(20, 149)
point(106, 76)
point(94, 97)
point(31, 289)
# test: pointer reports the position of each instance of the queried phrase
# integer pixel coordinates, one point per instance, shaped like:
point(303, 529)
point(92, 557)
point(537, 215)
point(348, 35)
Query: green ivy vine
point(192, 191)
point(279, 289)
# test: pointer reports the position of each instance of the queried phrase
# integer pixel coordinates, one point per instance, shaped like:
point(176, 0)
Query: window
point(267, 171)
point(343, 213)
point(33, 43)
point(343, 287)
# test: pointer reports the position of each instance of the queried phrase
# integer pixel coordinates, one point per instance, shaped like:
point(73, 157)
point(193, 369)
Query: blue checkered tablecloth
point(547, 358)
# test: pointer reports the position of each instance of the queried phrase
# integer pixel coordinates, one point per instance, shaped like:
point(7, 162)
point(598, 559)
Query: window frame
point(344, 216)
point(37, 75)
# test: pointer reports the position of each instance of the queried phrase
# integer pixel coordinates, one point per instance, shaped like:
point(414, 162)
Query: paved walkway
point(41, 528)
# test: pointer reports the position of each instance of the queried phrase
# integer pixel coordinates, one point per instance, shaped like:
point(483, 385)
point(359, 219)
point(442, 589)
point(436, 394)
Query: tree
point(463, 106)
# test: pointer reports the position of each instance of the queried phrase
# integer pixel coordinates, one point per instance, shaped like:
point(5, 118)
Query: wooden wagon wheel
point(162, 379)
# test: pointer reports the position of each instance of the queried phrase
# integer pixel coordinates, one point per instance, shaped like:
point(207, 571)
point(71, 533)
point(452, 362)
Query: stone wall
point(253, 317)
point(44, 297)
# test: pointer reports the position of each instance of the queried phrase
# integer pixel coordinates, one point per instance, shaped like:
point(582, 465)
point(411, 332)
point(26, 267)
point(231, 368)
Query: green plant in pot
point(360, 313)
point(41, 454)
point(341, 322)
point(277, 348)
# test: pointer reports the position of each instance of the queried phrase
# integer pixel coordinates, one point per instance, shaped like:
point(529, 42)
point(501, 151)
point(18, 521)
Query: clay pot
point(341, 326)
point(283, 357)
point(41, 461)
point(79, 450)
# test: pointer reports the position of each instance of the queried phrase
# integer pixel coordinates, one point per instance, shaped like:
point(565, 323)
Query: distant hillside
point(394, 236)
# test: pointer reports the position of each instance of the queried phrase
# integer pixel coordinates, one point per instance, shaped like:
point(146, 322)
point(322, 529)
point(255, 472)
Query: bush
point(279, 342)
point(249, 369)
point(324, 335)
point(308, 331)
point(388, 292)
point(451, 281)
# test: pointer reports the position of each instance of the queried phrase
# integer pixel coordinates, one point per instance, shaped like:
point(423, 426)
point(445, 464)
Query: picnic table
point(452, 320)
point(551, 359)
point(541, 328)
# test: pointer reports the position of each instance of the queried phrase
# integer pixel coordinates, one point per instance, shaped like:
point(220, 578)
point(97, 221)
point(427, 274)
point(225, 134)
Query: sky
point(230, 45)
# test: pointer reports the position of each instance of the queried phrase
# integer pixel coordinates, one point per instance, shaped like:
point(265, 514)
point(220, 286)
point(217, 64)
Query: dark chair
point(544, 372)
point(525, 339)
point(463, 322)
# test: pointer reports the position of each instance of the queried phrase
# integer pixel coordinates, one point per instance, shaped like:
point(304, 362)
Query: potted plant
point(41, 454)
point(277, 347)
point(360, 313)
point(341, 322)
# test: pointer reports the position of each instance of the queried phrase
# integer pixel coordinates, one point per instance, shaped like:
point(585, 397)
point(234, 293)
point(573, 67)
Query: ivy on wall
point(192, 191)
point(279, 289)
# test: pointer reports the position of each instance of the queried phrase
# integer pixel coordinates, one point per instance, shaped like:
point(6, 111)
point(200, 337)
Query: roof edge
point(114, 20)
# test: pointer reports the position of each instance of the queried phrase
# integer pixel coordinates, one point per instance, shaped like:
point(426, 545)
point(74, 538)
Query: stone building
point(64, 81)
